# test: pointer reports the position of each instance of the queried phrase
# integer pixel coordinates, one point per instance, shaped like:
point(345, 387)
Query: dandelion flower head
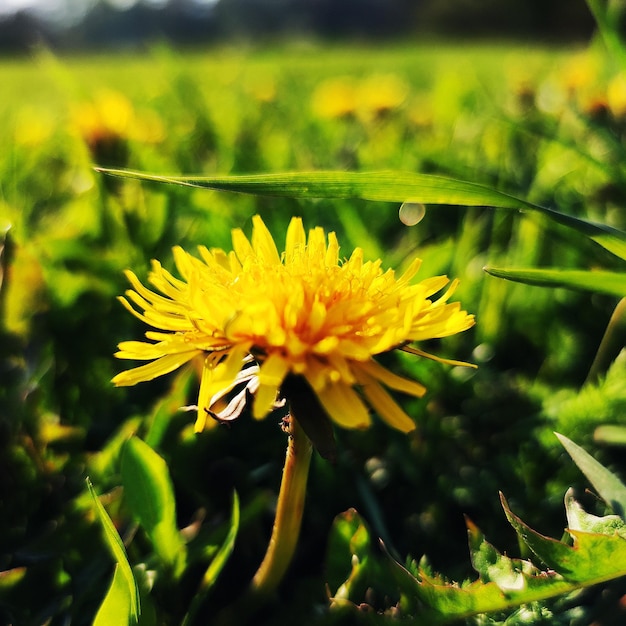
point(306, 313)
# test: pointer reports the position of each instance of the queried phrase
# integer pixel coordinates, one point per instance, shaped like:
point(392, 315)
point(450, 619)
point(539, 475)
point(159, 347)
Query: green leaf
point(504, 583)
point(610, 488)
point(225, 550)
point(579, 519)
point(150, 496)
point(611, 283)
point(116, 607)
point(217, 564)
point(594, 557)
point(597, 554)
point(384, 186)
point(123, 591)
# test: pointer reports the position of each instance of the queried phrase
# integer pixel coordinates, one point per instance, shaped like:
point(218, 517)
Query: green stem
point(288, 512)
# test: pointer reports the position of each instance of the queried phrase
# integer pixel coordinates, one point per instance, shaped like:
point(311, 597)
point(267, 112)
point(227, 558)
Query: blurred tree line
point(194, 22)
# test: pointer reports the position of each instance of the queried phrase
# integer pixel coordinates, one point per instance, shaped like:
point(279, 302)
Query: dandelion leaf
point(593, 551)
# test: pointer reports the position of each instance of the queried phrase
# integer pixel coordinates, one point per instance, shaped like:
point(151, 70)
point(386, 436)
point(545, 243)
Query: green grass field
point(542, 124)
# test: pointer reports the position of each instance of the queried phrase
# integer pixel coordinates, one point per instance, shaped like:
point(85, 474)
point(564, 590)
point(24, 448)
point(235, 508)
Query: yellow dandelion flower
point(308, 319)
point(380, 94)
point(335, 98)
point(616, 96)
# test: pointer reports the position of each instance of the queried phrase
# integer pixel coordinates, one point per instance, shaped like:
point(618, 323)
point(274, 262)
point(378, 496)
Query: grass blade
point(384, 186)
point(609, 487)
point(610, 283)
point(123, 574)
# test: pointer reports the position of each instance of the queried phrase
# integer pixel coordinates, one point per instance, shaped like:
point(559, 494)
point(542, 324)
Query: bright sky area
point(63, 7)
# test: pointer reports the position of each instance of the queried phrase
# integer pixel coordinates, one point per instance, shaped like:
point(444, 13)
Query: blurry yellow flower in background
point(379, 94)
point(369, 98)
point(335, 98)
point(109, 121)
point(110, 114)
point(302, 315)
point(616, 96)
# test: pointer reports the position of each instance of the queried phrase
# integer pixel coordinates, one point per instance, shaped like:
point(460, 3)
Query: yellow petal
point(344, 406)
point(204, 394)
point(149, 371)
point(262, 242)
point(385, 405)
point(296, 238)
point(332, 254)
point(376, 370)
point(215, 378)
point(241, 245)
point(140, 350)
point(271, 376)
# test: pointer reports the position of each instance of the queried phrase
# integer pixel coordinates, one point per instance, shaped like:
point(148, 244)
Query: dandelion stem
point(289, 511)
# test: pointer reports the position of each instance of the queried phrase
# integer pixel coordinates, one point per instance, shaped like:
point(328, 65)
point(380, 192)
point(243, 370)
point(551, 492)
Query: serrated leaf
point(593, 558)
point(610, 283)
point(609, 487)
point(384, 186)
point(504, 583)
point(129, 595)
point(555, 554)
point(149, 493)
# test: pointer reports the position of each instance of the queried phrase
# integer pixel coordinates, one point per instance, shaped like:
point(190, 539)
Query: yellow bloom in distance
point(302, 315)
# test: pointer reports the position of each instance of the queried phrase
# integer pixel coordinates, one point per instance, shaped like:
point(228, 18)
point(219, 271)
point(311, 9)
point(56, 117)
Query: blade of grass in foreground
point(610, 283)
point(123, 596)
point(383, 186)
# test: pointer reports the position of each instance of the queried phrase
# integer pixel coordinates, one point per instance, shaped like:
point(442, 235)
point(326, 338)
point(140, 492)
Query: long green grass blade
point(217, 564)
point(116, 607)
point(383, 186)
point(124, 574)
point(610, 283)
point(609, 487)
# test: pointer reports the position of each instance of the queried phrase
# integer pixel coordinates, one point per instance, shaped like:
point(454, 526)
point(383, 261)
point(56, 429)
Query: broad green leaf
point(384, 186)
point(150, 496)
point(116, 607)
point(597, 554)
point(611, 283)
point(504, 583)
point(594, 557)
point(217, 564)
point(123, 573)
point(608, 486)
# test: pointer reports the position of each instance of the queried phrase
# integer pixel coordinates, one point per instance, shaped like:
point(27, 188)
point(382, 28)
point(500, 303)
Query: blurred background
point(88, 24)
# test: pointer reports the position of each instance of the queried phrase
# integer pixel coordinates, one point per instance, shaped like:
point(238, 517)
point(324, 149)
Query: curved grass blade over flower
point(304, 312)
